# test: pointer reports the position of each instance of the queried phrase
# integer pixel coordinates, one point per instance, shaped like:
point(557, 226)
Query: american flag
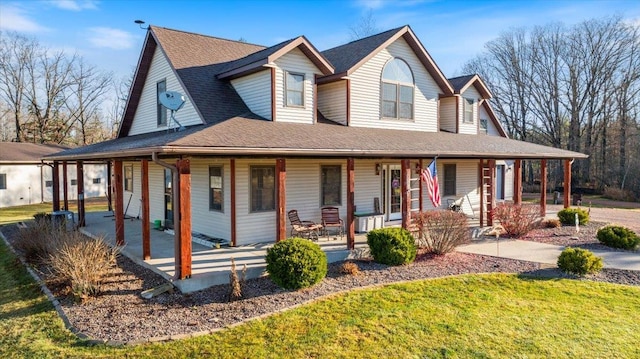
point(429, 176)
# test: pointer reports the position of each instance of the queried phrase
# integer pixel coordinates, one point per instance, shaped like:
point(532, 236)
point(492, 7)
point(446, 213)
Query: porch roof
point(252, 136)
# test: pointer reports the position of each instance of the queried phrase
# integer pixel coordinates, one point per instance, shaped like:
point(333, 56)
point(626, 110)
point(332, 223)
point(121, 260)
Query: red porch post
point(65, 187)
point(80, 198)
point(481, 177)
point(146, 234)
point(119, 202)
point(420, 191)
point(351, 227)
point(109, 186)
point(56, 186)
point(405, 186)
point(281, 205)
point(184, 205)
point(567, 182)
point(491, 202)
point(517, 182)
point(543, 188)
point(232, 188)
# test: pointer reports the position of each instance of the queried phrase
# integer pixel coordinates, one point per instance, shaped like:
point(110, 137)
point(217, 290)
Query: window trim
point(3, 181)
point(251, 168)
point(468, 103)
point(322, 190)
point(286, 89)
point(398, 85)
point(483, 124)
point(124, 177)
point(221, 210)
point(161, 111)
point(445, 179)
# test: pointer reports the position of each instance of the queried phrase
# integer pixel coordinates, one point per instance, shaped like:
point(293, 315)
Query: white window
point(331, 178)
point(397, 96)
point(483, 125)
point(263, 188)
point(161, 87)
point(294, 89)
point(97, 180)
point(468, 110)
point(3, 181)
point(128, 178)
point(216, 193)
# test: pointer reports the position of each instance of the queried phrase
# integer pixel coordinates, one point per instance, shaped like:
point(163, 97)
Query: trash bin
point(157, 224)
point(577, 199)
point(63, 219)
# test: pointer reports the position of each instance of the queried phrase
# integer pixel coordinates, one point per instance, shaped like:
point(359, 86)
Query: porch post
point(65, 188)
point(109, 187)
point(492, 195)
point(281, 205)
point(517, 182)
point(56, 186)
point(232, 188)
point(405, 176)
point(146, 235)
point(543, 187)
point(351, 228)
point(482, 204)
point(567, 182)
point(420, 192)
point(119, 205)
point(80, 198)
point(184, 205)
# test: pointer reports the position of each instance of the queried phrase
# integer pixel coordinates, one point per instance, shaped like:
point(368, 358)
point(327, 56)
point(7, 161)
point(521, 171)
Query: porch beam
point(232, 188)
point(55, 173)
point(281, 205)
point(65, 186)
point(80, 197)
point(567, 182)
point(146, 233)
point(119, 202)
point(517, 182)
point(420, 191)
point(351, 227)
point(405, 177)
point(543, 188)
point(184, 206)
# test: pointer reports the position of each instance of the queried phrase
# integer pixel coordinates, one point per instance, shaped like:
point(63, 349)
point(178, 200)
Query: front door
point(168, 203)
point(392, 192)
point(500, 182)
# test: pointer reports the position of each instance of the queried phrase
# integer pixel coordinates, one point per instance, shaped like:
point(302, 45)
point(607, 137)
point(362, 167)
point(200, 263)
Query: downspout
point(175, 200)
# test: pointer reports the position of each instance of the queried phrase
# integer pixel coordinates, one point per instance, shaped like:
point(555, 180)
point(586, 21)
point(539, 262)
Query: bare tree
point(365, 27)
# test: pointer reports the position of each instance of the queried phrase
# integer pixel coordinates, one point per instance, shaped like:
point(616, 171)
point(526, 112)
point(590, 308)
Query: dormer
point(464, 111)
point(279, 82)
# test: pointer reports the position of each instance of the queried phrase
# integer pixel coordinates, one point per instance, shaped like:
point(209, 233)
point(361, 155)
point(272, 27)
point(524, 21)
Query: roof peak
point(151, 27)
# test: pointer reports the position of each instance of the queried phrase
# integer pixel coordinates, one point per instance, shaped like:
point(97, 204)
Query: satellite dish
point(172, 100)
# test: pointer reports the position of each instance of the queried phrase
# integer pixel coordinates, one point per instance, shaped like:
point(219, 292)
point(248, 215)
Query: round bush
point(567, 216)
point(296, 263)
point(618, 237)
point(392, 246)
point(579, 261)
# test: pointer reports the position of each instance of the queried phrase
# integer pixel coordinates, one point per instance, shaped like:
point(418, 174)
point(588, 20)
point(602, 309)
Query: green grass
point(471, 316)
point(26, 212)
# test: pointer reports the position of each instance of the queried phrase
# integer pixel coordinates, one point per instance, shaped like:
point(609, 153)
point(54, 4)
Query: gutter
point(175, 204)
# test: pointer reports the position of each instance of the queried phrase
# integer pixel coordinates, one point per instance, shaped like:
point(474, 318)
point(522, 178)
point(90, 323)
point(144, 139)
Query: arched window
point(397, 90)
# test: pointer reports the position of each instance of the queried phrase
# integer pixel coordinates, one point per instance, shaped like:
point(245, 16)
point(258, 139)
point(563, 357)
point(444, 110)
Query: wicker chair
point(304, 229)
point(331, 219)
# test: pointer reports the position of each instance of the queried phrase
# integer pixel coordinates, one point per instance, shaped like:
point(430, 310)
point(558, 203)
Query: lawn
point(21, 213)
point(466, 316)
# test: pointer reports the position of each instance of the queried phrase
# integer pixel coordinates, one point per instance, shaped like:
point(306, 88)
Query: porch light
point(418, 169)
point(377, 169)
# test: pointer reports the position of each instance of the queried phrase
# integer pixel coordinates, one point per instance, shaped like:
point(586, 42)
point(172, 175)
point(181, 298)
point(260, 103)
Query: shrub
point(37, 240)
point(579, 261)
point(618, 237)
point(618, 194)
point(567, 216)
point(296, 263)
point(441, 231)
point(516, 220)
point(235, 283)
point(82, 261)
point(551, 223)
point(349, 268)
point(392, 246)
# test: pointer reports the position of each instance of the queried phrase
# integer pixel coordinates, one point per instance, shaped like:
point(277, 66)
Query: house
point(270, 129)
point(26, 179)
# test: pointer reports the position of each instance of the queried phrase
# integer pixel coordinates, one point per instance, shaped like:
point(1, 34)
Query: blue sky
point(452, 31)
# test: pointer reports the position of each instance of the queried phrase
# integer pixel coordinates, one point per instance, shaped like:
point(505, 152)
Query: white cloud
point(13, 18)
point(75, 5)
point(111, 38)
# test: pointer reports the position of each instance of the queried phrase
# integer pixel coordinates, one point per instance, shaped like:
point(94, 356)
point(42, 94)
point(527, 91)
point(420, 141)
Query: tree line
point(572, 87)
point(50, 96)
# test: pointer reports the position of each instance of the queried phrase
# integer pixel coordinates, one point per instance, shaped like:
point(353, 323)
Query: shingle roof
point(21, 152)
point(460, 84)
point(461, 81)
point(250, 136)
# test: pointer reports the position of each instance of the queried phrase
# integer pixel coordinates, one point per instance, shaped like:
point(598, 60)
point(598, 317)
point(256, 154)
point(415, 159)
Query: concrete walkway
point(546, 253)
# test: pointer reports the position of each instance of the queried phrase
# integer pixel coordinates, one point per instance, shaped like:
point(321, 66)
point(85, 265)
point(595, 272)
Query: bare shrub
point(618, 194)
point(235, 283)
point(551, 223)
point(517, 220)
point(441, 231)
point(37, 240)
point(349, 268)
point(82, 262)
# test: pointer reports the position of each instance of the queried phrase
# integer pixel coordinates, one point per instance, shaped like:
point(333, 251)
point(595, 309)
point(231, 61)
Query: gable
point(145, 117)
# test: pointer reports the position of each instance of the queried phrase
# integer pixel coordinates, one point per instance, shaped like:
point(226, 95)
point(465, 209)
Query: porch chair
point(331, 219)
point(455, 205)
point(305, 229)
